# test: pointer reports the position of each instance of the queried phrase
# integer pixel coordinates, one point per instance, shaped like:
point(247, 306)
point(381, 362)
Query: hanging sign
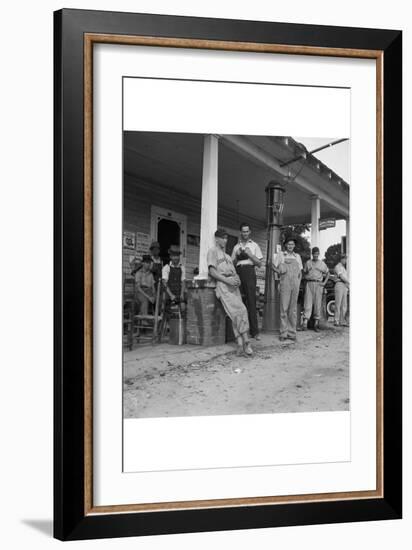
point(326, 224)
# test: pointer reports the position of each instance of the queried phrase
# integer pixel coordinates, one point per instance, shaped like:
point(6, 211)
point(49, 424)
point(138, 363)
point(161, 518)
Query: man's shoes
point(239, 351)
point(316, 326)
point(282, 338)
point(304, 325)
point(291, 337)
point(248, 349)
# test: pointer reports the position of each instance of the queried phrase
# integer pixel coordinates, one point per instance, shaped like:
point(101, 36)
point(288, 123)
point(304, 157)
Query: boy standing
point(316, 275)
point(173, 276)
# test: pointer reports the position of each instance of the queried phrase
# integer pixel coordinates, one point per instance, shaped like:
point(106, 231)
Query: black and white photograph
point(236, 274)
point(227, 271)
point(203, 333)
point(233, 349)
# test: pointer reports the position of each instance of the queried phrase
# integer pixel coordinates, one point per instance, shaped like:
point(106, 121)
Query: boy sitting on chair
point(145, 291)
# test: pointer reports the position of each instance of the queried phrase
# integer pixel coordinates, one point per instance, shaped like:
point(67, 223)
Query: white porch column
point(208, 219)
point(315, 215)
point(347, 244)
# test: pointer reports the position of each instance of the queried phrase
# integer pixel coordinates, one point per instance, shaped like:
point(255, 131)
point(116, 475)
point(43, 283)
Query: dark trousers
point(247, 276)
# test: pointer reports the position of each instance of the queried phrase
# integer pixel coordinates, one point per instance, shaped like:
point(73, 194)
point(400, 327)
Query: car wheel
point(330, 308)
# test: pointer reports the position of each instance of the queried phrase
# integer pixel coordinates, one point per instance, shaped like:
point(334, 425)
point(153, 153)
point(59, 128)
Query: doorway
point(168, 233)
point(168, 227)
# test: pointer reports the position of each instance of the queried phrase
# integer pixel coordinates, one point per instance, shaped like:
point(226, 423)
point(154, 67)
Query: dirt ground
point(309, 375)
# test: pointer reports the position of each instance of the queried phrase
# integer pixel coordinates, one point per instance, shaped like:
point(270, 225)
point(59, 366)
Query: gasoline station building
point(178, 188)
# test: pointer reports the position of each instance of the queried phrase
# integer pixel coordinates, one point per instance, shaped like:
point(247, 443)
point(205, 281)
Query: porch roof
point(246, 165)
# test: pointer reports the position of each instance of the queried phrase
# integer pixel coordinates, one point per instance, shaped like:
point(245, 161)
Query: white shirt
point(166, 271)
point(340, 270)
point(253, 247)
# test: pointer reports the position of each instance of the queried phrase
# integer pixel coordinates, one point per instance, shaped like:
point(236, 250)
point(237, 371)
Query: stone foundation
point(205, 316)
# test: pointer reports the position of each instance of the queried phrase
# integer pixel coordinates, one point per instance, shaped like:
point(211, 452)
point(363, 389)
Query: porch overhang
point(245, 165)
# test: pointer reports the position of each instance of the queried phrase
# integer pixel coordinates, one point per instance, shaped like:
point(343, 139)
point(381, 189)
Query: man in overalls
point(288, 265)
point(316, 275)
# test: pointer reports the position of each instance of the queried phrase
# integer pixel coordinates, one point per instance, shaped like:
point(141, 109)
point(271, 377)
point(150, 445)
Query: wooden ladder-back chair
point(128, 310)
point(145, 328)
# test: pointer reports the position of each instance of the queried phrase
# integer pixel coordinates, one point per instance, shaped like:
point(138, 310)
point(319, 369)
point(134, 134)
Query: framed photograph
point(227, 274)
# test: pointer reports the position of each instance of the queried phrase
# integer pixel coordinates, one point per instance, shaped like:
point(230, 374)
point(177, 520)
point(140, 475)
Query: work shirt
point(166, 271)
point(144, 279)
point(340, 270)
point(254, 249)
point(229, 295)
point(216, 256)
point(315, 271)
point(280, 257)
point(157, 260)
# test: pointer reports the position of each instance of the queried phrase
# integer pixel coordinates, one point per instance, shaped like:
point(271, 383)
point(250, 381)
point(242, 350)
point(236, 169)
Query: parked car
point(330, 296)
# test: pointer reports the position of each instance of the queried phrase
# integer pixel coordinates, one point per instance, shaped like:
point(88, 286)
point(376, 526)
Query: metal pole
point(271, 319)
point(274, 202)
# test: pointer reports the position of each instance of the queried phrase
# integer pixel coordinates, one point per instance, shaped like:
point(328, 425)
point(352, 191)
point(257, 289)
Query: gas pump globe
point(274, 202)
